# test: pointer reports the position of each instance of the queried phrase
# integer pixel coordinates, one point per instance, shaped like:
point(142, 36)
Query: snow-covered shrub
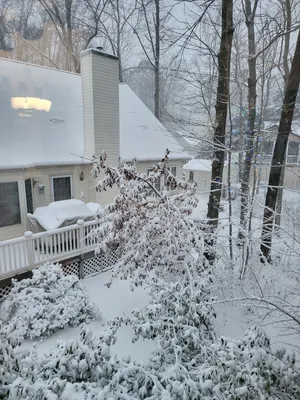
point(10, 359)
point(228, 369)
point(39, 306)
point(178, 315)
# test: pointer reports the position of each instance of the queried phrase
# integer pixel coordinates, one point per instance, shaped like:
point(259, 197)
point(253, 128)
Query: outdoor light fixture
point(30, 103)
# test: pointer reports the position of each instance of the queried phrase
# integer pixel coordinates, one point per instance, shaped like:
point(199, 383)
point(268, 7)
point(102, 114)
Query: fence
point(30, 251)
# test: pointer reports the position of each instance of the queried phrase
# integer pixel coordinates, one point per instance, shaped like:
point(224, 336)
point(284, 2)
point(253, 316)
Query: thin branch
point(40, 52)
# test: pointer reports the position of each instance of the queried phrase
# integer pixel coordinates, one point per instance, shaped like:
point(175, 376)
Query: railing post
point(30, 251)
point(81, 246)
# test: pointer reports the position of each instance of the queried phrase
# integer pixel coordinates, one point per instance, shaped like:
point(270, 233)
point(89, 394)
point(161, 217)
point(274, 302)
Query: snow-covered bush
point(39, 306)
point(84, 369)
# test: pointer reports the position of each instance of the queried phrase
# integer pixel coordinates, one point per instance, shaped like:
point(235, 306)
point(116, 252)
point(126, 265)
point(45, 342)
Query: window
point(61, 187)
point(157, 181)
point(157, 184)
point(10, 213)
point(173, 172)
point(29, 199)
point(293, 149)
point(191, 176)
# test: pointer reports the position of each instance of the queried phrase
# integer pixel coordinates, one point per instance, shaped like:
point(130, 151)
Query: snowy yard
point(119, 300)
point(116, 301)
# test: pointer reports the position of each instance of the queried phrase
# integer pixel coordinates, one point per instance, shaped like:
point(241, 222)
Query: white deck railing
point(33, 249)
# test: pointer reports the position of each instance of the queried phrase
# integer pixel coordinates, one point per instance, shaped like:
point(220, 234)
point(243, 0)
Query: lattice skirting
point(91, 266)
point(100, 263)
point(71, 269)
point(4, 292)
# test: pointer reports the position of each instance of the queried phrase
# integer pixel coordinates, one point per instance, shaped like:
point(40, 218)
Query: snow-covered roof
point(47, 138)
point(141, 134)
point(39, 137)
point(198, 165)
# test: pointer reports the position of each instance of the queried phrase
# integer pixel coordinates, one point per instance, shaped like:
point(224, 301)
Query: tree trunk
point(69, 38)
point(288, 18)
point(279, 153)
point(241, 141)
point(157, 110)
point(224, 57)
point(249, 15)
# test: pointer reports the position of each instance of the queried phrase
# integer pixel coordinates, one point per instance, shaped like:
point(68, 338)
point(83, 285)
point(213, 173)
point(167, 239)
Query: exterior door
point(62, 188)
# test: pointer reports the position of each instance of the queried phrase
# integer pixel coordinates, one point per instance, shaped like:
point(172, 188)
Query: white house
point(52, 122)
point(199, 171)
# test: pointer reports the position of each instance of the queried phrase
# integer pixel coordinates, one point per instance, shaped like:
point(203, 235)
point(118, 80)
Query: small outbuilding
point(199, 171)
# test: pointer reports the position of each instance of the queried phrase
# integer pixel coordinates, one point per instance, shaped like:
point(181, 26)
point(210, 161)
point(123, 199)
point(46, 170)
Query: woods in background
point(217, 72)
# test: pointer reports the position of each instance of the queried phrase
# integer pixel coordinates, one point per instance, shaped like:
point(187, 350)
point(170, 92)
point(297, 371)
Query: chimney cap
point(98, 52)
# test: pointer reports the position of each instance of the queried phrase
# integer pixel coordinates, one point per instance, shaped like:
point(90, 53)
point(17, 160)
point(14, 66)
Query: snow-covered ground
point(116, 301)
point(119, 300)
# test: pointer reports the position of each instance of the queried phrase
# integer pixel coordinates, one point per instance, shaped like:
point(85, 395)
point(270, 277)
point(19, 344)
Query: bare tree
point(249, 11)
point(279, 153)
point(5, 31)
point(76, 23)
point(152, 18)
point(287, 13)
point(221, 112)
point(116, 30)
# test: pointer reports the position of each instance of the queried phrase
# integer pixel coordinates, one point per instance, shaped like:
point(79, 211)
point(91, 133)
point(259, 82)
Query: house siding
point(88, 108)
point(12, 231)
point(143, 166)
point(203, 178)
point(291, 175)
point(100, 82)
point(43, 176)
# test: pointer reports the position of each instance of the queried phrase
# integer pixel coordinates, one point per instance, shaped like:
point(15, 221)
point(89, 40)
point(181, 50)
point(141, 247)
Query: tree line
point(226, 74)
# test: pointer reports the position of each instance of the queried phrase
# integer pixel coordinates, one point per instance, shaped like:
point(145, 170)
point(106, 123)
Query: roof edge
point(38, 66)
point(182, 158)
point(46, 164)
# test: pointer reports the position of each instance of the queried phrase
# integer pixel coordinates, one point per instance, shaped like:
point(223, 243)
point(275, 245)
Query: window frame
point(148, 172)
point(61, 176)
point(20, 204)
point(170, 170)
point(193, 174)
point(174, 166)
point(27, 200)
point(292, 156)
